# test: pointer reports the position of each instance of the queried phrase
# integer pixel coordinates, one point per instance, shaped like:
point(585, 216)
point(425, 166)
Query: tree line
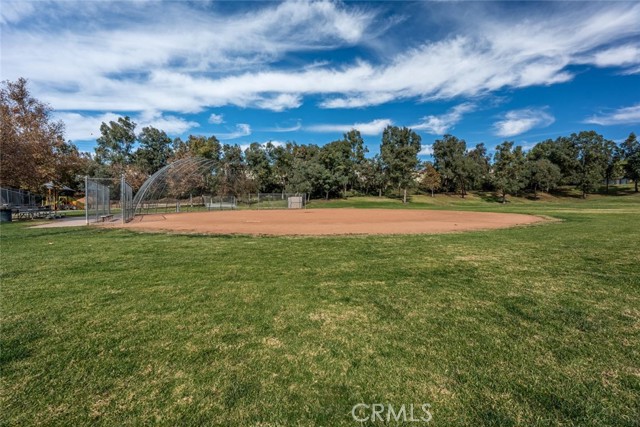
point(33, 151)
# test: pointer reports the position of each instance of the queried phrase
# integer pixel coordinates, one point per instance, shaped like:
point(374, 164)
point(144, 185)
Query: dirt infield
point(315, 222)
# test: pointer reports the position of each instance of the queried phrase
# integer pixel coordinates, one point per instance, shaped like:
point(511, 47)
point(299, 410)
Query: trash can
point(5, 215)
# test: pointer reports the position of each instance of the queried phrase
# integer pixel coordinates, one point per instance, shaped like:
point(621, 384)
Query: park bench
point(105, 218)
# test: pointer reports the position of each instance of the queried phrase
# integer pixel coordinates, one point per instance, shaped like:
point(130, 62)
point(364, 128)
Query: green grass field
point(536, 325)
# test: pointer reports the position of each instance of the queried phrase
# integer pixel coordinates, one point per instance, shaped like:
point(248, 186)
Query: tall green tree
point(612, 161)
point(115, 145)
point(373, 176)
point(358, 155)
point(480, 167)
point(631, 152)
point(508, 169)
point(336, 158)
point(198, 146)
point(591, 161)
point(399, 152)
point(232, 174)
point(542, 174)
point(452, 163)
point(281, 158)
point(154, 151)
point(562, 152)
point(259, 167)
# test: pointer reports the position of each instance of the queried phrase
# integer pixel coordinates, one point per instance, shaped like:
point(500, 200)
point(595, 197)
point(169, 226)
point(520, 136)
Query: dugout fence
point(97, 199)
point(108, 199)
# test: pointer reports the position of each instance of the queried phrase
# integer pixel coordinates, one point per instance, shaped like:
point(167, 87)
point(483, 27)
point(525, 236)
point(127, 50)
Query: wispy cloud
point(281, 102)
point(14, 11)
point(517, 122)
point(624, 115)
point(201, 59)
point(187, 57)
point(293, 128)
point(216, 119)
point(82, 127)
point(374, 127)
point(439, 125)
point(626, 55)
point(242, 129)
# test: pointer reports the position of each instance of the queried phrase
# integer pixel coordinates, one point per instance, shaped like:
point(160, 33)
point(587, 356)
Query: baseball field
point(531, 325)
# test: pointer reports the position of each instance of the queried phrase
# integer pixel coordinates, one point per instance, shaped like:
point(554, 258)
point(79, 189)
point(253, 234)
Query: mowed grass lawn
point(536, 325)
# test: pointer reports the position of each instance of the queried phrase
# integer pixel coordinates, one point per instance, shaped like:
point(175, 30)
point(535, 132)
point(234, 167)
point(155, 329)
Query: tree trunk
point(636, 185)
point(431, 191)
point(535, 191)
point(504, 197)
point(326, 195)
point(404, 197)
point(379, 192)
point(606, 185)
point(584, 194)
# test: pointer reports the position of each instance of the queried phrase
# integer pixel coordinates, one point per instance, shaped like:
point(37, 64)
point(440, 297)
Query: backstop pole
point(86, 198)
point(123, 208)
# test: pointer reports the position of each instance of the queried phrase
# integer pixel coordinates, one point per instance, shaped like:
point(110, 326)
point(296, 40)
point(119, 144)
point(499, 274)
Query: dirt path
point(328, 221)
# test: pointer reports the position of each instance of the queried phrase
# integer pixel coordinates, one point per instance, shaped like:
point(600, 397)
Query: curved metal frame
point(178, 167)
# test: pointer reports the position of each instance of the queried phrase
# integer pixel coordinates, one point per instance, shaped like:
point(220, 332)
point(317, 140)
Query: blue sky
point(309, 71)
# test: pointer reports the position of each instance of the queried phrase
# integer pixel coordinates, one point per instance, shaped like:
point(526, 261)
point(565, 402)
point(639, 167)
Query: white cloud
point(281, 102)
point(625, 115)
point(82, 127)
point(427, 150)
point(517, 122)
point(15, 11)
point(439, 125)
point(216, 119)
point(292, 128)
point(150, 60)
point(617, 56)
point(242, 129)
point(374, 127)
point(357, 101)
point(630, 71)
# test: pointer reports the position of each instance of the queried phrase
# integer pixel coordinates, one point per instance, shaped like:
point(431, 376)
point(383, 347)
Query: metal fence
point(217, 202)
point(19, 199)
point(272, 201)
point(97, 203)
point(126, 201)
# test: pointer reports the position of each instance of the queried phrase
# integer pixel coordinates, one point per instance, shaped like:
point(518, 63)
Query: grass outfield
point(536, 325)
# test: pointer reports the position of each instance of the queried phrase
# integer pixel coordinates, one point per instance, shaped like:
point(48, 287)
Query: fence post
point(86, 199)
point(123, 208)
